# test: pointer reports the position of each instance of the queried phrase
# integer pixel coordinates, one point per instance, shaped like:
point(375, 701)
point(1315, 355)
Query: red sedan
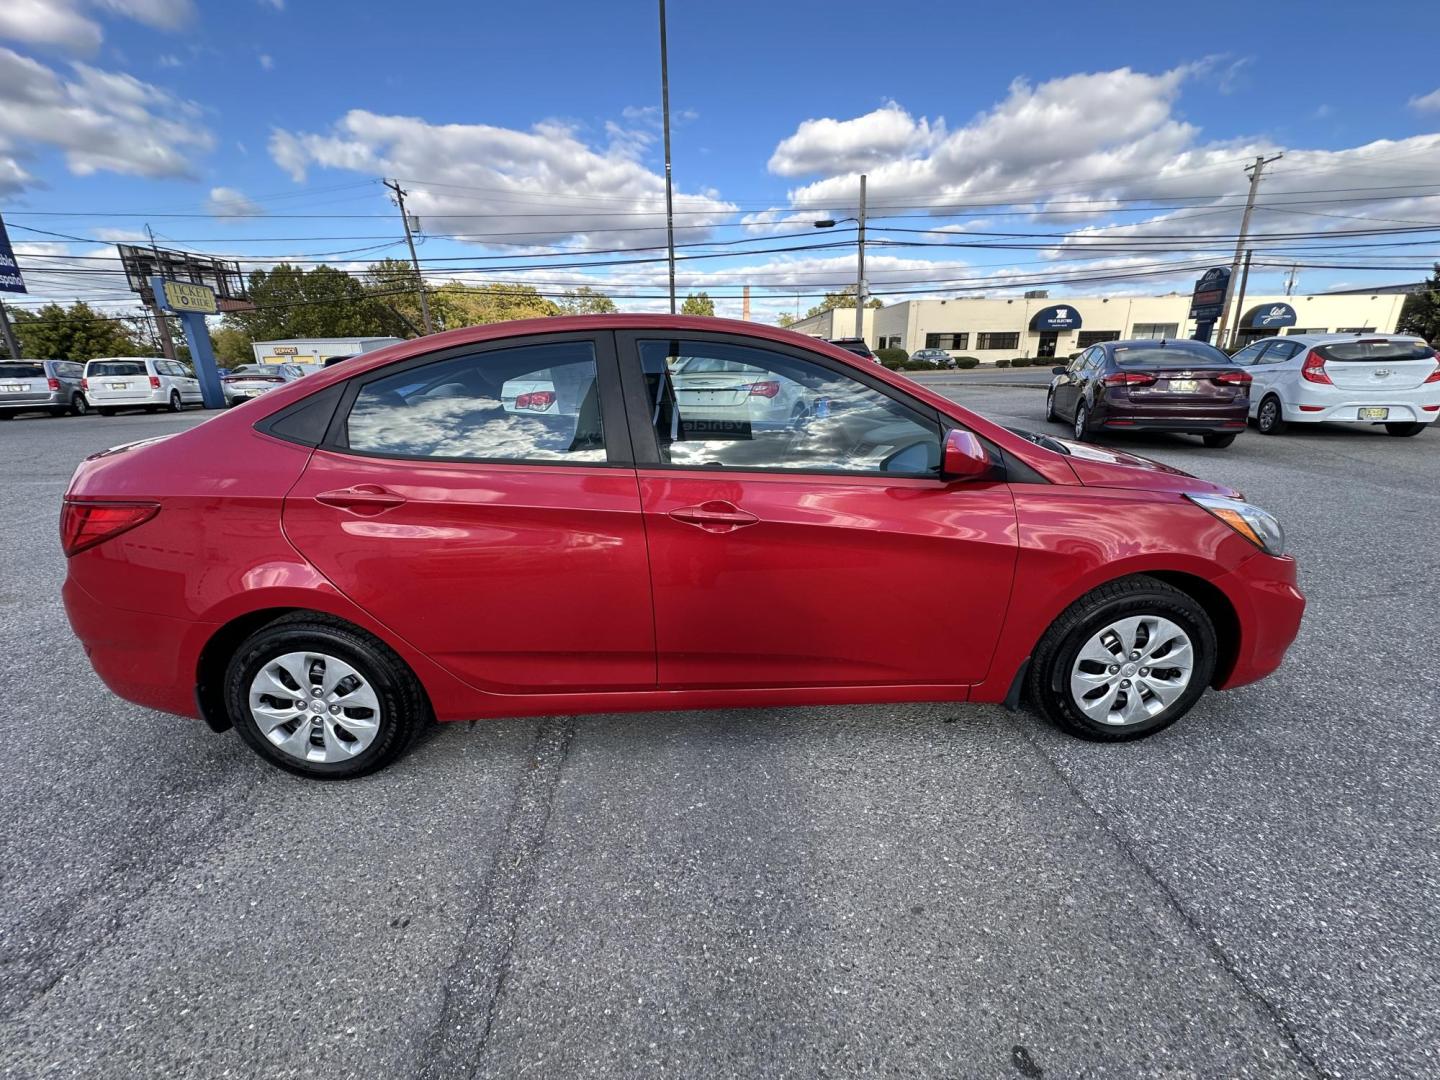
point(544, 517)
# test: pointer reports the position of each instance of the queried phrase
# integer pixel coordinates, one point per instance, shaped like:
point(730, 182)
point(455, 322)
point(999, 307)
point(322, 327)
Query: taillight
point(53, 384)
point(1314, 370)
point(1236, 378)
point(766, 389)
point(83, 525)
point(1128, 378)
point(538, 400)
point(154, 382)
point(1434, 376)
point(84, 384)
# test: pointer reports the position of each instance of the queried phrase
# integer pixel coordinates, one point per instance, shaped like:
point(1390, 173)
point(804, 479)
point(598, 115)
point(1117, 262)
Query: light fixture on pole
point(830, 223)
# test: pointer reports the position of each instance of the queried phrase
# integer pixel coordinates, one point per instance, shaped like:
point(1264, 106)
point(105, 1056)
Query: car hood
point(1103, 466)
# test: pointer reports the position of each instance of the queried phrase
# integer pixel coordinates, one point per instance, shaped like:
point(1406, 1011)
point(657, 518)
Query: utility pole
point(669, 186)
point(1290, 283)
point(162, 321)
point(394, 185)
point(10, 342)
point(1244, 283)
point(1254, 170)
point(860, 269)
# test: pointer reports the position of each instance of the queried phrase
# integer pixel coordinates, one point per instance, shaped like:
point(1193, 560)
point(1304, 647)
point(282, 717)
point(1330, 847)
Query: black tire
point(175, 403)
point(404, 708)
point(1047, 681)
point(59, 410)
point(78, 405)
point(105, 412)
point(1270, 417)
point(1082, 422)
point(1050, 413)
point(1404, 429)
point(6, 414)
point(1219, 441)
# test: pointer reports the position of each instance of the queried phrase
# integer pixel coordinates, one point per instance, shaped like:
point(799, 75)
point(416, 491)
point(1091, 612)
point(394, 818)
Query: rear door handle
point(716, 516)
point(362, 499)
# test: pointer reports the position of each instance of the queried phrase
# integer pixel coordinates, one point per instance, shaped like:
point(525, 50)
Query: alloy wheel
point(1132, 670)
point(1081, 421)
point(1269, 413)
point(314, 707)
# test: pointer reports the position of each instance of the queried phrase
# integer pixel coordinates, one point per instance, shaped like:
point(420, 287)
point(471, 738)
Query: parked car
point(1390, 379)
point(147, 382)
point(938, 358)
point(857, 346)
point(1144, 385)
point(355, 554)
point(51, 386)
point(248, 381)
point(331, 360)
point(725, 390)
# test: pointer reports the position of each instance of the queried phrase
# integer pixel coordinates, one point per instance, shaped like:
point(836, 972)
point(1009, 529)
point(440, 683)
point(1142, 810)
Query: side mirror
point(963, 457)
point(1058, 370)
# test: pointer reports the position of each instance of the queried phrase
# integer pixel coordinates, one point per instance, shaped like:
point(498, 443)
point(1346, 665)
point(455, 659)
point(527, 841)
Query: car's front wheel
point(1050, 413)
point(321, 698)
point(1082, 421)
point(1404, 429)
point(1123, 661)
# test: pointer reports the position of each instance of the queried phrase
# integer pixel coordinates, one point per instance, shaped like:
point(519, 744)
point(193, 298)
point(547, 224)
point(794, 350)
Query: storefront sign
point(1269, 316)
point(1208, 298)
point(183, 296)
point(1056, 318)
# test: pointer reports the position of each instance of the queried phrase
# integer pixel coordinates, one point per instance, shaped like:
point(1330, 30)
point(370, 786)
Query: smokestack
point(745, 305)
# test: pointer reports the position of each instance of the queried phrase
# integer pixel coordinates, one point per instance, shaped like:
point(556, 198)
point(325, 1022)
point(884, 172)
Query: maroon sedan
point(1164, 385)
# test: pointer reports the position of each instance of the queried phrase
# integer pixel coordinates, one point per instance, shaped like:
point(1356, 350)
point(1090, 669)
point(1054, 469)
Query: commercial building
point(1001, 328)
point(317, 350)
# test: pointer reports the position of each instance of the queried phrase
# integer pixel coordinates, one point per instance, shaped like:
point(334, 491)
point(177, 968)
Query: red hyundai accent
point(611, 513)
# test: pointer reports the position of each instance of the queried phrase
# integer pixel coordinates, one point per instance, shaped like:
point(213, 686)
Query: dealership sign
point(1208, 299)
point(10, 279)
point(1056, 318)
point(1270, 315)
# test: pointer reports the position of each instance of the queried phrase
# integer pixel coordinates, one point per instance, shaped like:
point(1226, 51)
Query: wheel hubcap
point(1080, 422)
point(1132, 670)
point(1267, 414)
point(315, 707)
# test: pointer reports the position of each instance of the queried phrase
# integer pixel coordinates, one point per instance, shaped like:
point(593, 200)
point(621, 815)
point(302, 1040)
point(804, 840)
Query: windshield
point(1169, 353)
point(1351, 351)
point(22, 371)
point(116, 367)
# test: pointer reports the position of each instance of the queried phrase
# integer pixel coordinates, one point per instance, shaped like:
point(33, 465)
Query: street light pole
point(1254, 170)
point(669, 186)
point(860, 269)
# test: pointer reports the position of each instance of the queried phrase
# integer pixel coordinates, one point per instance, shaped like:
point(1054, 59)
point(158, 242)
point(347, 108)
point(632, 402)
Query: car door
point(1269, 373)
point(815, 549)
point(190, 391)
point(1067, 390)
point(505, 544)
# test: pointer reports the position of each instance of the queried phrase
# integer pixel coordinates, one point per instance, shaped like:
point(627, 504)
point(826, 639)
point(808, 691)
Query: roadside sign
point(1208, 299)
point(183, 296)
point(10, 279)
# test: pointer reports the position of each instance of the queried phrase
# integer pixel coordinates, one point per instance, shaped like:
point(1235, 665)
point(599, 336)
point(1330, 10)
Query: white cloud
point(101, 121)
point(169, 60)
point(161, 14)
point(544, 185)
point(49, 22)
point(1426, 102)
point(119, 236)
point(267, 61)
point(278, 5)
point(229, 202)
point(830, 145)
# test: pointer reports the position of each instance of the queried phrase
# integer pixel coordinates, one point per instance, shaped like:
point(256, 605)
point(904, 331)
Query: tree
point(586, 301)
point(395, 285)
point(75, 333)
point(845, 298)
point(1420, 314)
point(292, 302)
point(698, 304)
point(498, 301)
point(231, 345)
point(786, 319)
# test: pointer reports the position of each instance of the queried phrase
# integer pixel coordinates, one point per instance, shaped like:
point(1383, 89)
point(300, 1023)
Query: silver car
point(51, 386)
point(251, 380)
point(709, 389)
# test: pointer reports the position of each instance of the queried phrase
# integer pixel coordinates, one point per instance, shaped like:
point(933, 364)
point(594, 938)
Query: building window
point(1009, 340)
point(893, 342)
point(947, 341)
point(1156, 330)
point(1087, 338)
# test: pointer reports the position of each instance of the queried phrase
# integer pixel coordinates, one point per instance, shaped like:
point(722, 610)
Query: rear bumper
point(148, 659)
point(1348, 412)
point(119, 399)
point(1269, 607)
point(24, 402)
point(1173, 422)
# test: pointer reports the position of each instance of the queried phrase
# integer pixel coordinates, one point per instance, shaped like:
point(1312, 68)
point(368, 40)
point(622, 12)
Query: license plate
point(1184, 386)
point(13, 389)
point(118, 386)
point(1374, 414)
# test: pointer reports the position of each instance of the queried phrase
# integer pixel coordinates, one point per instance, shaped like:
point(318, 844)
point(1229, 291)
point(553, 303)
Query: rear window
point(116, 368)
point(1172, 352)
point(22, 371)
point(1374, 351)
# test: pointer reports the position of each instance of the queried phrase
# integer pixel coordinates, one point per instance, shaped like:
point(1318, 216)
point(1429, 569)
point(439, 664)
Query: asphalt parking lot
point(937, 891)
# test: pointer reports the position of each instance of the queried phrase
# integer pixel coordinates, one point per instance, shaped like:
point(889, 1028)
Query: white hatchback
point(1390, 379)
point(139, 382)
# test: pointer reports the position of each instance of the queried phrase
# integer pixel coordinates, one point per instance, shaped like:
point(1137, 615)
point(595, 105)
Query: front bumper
point(1268, 606)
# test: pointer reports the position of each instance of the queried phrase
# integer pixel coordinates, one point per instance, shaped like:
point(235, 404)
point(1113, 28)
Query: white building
point(1002, 328)
point(316, 350)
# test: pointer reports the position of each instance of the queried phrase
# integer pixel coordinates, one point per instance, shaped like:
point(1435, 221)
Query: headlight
point(1256, 525)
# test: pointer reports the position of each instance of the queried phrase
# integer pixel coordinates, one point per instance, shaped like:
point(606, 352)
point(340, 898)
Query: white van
point(139, 382)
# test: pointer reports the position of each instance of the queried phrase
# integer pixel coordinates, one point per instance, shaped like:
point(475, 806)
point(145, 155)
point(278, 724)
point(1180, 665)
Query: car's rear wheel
point(1404, 429)
point(1082, 421)
point(1269, 419)
point(175, 404)
point(78, 405)
point(320, 698)
point(1219, 440)
point(1123, 661)
point(105, 412)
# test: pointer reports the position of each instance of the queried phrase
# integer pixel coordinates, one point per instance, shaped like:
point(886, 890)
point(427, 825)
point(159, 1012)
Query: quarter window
point(532, 403)
point(732, 406)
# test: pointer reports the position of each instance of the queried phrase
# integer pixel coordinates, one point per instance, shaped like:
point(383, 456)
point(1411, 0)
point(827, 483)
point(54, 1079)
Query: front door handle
point(715, 516)
point(362, 499)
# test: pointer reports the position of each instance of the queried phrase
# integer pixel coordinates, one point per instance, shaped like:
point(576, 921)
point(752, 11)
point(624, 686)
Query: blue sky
point(1111, 136)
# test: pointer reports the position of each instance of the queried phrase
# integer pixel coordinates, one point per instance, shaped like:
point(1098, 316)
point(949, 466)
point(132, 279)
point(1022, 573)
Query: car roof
point(1330, 339)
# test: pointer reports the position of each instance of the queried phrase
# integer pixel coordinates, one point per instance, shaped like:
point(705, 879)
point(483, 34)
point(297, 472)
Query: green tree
point(74, 333)
point(292, 302)
point(395, 286)
point(231, 345)
point(498, 301)
point(845, 298)
point(1420, 314)
point(586, 301)
point(698, 304)
point(786, 319)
